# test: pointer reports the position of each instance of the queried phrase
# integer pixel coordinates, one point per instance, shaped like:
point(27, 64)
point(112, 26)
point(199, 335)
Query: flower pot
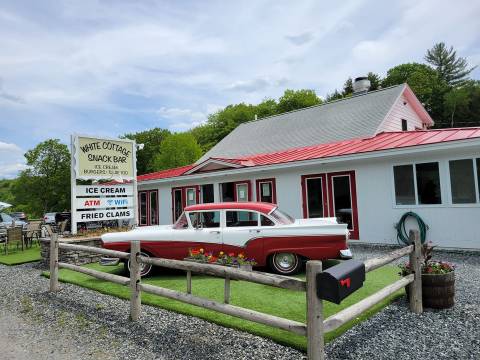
point(438, 290)
point(246, 267)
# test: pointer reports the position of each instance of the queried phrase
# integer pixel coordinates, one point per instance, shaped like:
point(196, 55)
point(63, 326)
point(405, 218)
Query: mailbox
point(339, 281)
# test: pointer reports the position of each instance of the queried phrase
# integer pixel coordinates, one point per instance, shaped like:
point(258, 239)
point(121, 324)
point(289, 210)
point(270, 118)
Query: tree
point(462, 105)
point(375, 81)
point(177, 150)
point(297, 99)
point(45, 185)
point(152, 140)
point(450, 68)
point(424, 82)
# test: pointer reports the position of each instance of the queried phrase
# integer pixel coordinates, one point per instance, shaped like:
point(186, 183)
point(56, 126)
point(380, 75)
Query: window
point(265, 221)
point(177, 204)
point(428, 183)
point(478, 177)
point(191, 196)
point(404, 185)
point(462, 181)
point(281, 217)
point(153, 208)
point(143, 208)
point(242, 192)
point(207, 193)
point(315, 197)
point(342, 200)
point(427, 191)
point(404, 125)
point(205, 219)
point(181, 222)
point(266, 191)
point(235, 191)
point(241, 218)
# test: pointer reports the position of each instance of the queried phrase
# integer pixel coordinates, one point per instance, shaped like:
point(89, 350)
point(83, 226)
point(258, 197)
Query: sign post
point(112, 161)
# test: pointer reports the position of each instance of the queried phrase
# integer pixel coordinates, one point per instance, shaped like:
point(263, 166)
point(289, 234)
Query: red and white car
point(259, 230)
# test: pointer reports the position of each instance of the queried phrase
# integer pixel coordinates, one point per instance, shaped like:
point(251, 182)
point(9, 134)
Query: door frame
point(323, 178)
point(273, 185)
point(328, 197)
point(148, 207)
point(183, 196)
point(249, 189)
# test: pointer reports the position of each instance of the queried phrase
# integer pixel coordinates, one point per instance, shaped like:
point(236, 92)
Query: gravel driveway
point(78, 323)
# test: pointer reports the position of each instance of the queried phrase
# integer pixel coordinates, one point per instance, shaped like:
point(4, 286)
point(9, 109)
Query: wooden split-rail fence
point(315, 327)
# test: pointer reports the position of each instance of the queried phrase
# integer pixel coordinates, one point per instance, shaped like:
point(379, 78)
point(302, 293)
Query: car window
point(181, 223)
point(265, 221)
point(205, 219)
point(281, 217)
point(6, 218)
point(242, 218)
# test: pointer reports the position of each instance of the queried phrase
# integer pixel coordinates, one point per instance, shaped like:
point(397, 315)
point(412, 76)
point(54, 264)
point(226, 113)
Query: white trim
point(210, 161)
point(411, 150)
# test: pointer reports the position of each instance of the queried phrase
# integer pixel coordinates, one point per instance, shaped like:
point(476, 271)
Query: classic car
point(259, 230)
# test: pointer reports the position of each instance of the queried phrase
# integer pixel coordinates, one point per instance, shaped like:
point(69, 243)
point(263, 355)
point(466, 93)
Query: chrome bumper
point(346, 254)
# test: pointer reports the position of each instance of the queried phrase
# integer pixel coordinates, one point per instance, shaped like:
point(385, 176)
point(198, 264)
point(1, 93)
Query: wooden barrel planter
point(438, 291)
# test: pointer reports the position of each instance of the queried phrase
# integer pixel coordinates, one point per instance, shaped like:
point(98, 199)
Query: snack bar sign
point(97, 159)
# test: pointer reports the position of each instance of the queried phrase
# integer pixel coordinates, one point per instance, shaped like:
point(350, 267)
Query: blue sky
point(111, 67)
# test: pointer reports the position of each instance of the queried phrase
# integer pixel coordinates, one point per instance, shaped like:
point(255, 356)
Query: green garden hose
point(402, 235)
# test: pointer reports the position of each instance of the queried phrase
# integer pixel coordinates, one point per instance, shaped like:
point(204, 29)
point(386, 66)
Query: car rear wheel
point(145, 269)
point(285, 263)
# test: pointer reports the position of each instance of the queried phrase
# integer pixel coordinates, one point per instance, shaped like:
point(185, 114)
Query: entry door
point(315, 200)
point(183, 196)
point(242, 191)
point(332, 195)
point(148, 207)
point(343, 200)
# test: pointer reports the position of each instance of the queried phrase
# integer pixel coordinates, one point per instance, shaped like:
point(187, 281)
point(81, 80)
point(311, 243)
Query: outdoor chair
point(14, 236)
point(32, 232)
point(47, 229)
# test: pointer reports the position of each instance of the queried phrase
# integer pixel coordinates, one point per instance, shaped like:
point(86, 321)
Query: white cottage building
point(366, 159)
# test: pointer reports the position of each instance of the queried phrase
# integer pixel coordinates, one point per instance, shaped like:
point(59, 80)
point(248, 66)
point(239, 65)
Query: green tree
point(462, 105)
point(177, 150)
point(375, 81)
point(297, 99)
point(45, 185)
point(450, 68)
point(152, 140)
point(424, 82)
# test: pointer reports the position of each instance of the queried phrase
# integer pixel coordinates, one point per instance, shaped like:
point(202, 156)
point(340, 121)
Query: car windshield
point(6, 218)
point(181, 223)
point(281, 217)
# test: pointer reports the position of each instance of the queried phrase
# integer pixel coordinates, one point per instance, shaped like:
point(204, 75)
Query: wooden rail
point(314, 329)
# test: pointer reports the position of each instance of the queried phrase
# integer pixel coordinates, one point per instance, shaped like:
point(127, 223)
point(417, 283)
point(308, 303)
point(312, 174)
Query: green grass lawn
point(280, 302)
point(16, 257)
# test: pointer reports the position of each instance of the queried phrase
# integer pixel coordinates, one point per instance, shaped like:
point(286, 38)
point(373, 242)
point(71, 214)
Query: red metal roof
point(165, 173)
point(264, 208)
point(382, 141)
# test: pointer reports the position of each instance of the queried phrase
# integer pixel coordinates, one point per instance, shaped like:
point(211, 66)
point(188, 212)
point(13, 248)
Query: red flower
point(212, 259)
point(194, 252)
point(231, 254)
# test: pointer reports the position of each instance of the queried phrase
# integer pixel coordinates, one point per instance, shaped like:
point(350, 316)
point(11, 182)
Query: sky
point(107, 68)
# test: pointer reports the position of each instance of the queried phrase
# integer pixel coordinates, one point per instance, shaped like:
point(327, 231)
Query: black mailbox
point(339, 281)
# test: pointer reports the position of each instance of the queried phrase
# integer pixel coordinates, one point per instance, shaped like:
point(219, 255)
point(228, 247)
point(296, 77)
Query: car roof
point(255, 206)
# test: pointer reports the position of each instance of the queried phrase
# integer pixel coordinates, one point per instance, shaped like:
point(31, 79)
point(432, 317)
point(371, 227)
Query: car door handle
point(254, 231)
point(214, 232)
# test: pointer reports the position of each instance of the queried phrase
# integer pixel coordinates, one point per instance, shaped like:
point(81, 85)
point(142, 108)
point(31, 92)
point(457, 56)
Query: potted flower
point(438, 280)
point(225, 259)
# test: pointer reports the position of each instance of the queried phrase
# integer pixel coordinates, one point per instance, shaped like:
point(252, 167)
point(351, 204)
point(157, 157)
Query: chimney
point(361, 85)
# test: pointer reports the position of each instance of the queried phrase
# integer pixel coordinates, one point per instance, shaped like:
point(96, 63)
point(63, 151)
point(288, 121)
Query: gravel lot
point(78, 323)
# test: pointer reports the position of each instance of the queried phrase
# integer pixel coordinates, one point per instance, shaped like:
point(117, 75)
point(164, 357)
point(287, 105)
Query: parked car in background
point(259, 231)
point(19, 215)
point(6, 221)
point(49, 218)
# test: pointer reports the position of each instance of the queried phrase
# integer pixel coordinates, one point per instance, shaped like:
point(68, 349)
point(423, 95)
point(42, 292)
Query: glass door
point(314, 191)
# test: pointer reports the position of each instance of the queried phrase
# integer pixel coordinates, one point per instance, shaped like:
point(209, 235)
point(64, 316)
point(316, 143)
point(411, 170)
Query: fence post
point(135, 297)
point(315, 339)
point(54, 262)
point(415, 297)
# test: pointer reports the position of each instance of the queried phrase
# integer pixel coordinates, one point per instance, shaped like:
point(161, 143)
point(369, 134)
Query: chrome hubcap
point(144, 268)
point(285, 261)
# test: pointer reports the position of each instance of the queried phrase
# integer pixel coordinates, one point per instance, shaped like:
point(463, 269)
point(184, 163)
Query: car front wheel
point(145, 269)
point(285, 263)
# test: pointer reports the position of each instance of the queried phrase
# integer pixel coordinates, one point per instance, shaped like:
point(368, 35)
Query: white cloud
point(110, 68)
point(11, 160)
